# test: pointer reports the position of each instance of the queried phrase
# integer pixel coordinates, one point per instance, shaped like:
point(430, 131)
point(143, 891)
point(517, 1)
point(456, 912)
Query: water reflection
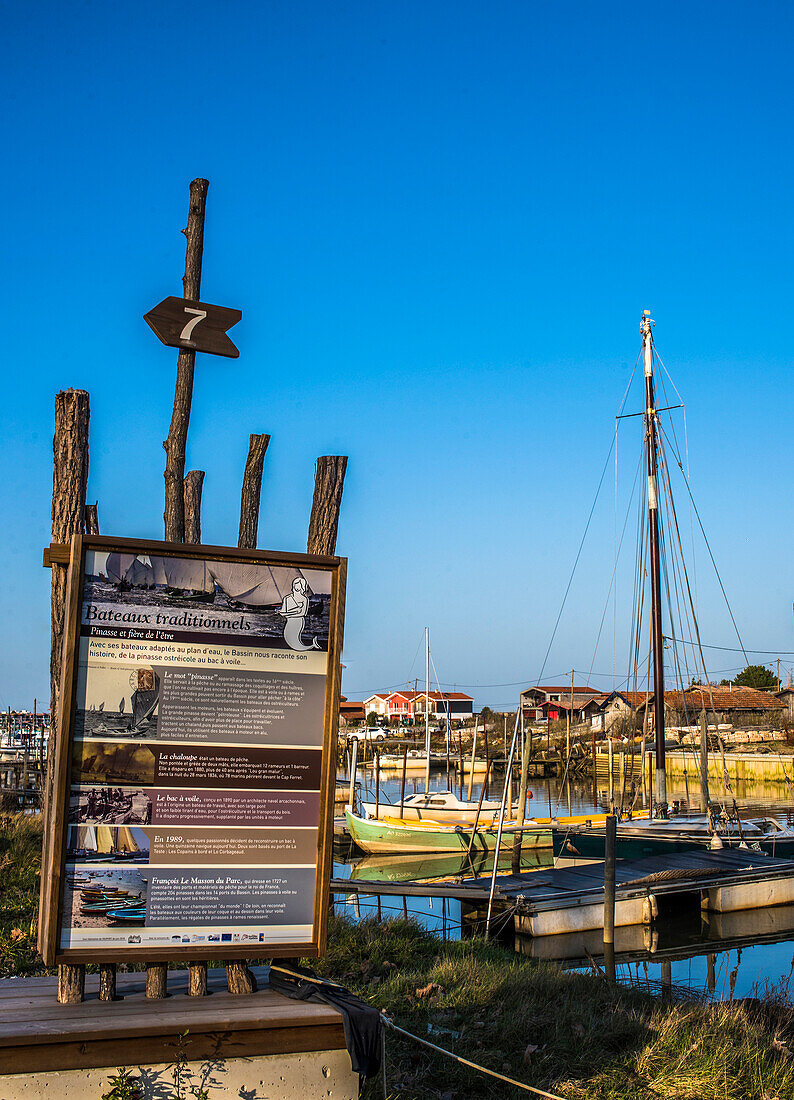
point(720, 954)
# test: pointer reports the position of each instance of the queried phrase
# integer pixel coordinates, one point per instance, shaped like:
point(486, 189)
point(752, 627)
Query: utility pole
point(656, 580)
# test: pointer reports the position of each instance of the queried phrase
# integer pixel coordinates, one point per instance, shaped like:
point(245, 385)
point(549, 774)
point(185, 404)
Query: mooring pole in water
point(704, 763)
point(460, 755)
point(479, 809)
point(609, 896)
point(499, 830)
point(518, 837)
point(471, 770)
point(377, 784)
point(353, 762)
point(402, 785)
point(427, 710)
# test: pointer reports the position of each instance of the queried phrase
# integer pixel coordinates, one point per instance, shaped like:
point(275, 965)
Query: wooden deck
point(38, 1034)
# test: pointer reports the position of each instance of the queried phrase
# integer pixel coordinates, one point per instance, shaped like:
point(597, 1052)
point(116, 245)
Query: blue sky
point(441, 222)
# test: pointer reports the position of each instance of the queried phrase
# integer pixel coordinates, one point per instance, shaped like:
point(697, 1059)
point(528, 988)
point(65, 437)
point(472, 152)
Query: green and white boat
point(393, 834)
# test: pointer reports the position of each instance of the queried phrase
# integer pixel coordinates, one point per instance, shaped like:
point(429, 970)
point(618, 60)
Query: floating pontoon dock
point(551, 902)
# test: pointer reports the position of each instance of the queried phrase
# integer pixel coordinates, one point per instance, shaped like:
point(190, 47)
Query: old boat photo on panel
point(254, 603)
point(116, 701)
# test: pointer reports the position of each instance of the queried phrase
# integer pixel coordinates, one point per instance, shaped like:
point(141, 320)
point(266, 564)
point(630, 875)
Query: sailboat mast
point(427, 709)
point(656, 581)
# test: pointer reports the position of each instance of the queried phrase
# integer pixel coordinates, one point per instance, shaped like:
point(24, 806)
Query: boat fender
point(650, 909)
point(650, 939)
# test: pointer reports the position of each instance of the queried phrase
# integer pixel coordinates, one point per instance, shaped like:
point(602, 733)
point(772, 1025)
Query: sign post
point(193, 799)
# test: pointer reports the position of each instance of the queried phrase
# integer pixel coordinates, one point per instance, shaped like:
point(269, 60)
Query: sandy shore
point(131, 878)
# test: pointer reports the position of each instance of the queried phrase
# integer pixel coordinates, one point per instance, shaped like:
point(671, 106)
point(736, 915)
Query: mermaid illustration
point(294, 608)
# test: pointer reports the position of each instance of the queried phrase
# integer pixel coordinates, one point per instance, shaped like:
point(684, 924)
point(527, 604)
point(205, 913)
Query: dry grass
point(567, 1032)
point(20, 862)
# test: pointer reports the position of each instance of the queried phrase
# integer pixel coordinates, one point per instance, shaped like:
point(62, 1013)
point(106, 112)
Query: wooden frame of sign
point(331, 574)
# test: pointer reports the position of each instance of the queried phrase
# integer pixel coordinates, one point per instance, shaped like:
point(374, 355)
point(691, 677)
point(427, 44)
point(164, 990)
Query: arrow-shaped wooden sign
point(181, 323)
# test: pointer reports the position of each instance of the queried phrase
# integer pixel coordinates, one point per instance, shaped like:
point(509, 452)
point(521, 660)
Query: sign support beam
point(176, 443)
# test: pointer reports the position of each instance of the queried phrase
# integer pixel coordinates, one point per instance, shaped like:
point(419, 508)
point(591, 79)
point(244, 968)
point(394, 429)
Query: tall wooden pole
point(175, 483)
point(704, 763)
point(656, 580)
point(176, 444)
point(252, 491)
point(69, 484)
point(522, 794)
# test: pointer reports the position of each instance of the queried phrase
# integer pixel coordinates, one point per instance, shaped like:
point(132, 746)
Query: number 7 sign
point(181, 323)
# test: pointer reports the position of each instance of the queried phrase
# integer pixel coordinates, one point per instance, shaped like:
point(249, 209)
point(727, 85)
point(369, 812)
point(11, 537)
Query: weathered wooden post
point(192, 490)
point(92, 518)
point(69, 484)
point(176, 444)
point(252, 491)
point(329, 481)
point(107, 981)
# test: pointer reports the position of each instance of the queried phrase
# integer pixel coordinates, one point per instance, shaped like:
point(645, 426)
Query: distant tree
point(372, 718)
point(755, 676)
point(487, 715)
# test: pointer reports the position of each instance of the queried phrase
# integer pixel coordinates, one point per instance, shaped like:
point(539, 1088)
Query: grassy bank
point(20, 861)
point(572, 1034)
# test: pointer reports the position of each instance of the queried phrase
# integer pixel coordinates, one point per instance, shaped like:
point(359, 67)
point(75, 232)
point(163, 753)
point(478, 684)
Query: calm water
point(731, 955)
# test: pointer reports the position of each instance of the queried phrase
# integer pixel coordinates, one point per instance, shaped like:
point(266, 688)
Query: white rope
point(424, 1042)
point(472, 1065)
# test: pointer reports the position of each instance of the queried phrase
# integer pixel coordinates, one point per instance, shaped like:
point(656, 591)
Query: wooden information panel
point(195, 771)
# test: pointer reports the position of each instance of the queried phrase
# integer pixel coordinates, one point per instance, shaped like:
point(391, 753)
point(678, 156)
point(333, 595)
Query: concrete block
point(324, 1075)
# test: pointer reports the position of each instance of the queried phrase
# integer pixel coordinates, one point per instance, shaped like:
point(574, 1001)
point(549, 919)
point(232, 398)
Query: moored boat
point(667, 836)
point(443, 807)
point(398, 835)
point(415, 761)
